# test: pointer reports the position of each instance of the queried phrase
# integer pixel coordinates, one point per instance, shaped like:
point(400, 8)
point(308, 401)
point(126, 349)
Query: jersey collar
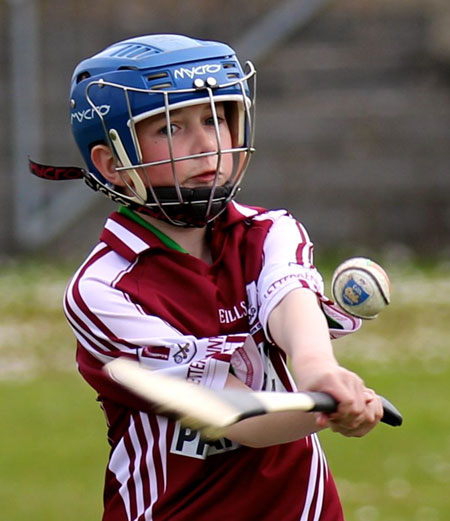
point(165, 239)
point(130, 235)
point(129, 238)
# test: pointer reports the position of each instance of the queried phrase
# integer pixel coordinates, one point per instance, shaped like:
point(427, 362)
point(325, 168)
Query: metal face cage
point(178, 205)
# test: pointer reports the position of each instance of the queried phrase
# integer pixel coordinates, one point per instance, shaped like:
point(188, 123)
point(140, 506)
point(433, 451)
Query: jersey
point(137, 296)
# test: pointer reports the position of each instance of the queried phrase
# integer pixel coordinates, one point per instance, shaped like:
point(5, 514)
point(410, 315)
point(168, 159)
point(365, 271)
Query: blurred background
point(353, 135)
point(353, 113)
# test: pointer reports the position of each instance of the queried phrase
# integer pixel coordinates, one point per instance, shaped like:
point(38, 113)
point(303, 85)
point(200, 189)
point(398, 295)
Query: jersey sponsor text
point(227, 316)
point(188, 442)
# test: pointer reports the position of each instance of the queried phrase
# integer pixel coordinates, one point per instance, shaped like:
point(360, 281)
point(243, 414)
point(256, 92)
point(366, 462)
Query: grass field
point(53, 435)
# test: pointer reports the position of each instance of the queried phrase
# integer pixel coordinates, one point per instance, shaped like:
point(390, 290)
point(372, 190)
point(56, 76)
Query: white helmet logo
point(88, 114)
point(200, 70)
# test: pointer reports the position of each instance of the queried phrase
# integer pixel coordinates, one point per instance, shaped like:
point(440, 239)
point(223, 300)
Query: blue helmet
point(141, 77)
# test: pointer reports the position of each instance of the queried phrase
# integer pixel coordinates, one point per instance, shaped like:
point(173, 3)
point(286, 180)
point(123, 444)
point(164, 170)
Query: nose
point(205, 140)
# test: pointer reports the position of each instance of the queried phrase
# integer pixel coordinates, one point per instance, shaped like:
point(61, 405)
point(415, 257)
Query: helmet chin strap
point(199, 206)
point(139, 187)
point(193, 212)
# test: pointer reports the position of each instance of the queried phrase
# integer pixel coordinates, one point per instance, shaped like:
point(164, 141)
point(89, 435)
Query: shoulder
point(98, 271)
point(274, 221)
point(264, 228)
point(257, 214)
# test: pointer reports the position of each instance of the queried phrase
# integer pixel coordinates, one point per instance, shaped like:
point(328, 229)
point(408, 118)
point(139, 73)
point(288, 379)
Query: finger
point(358, 426)
point(322, 420)
point(374, 401)
point(349, 392)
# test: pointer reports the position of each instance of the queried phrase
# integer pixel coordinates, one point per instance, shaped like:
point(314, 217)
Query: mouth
point(204, 178)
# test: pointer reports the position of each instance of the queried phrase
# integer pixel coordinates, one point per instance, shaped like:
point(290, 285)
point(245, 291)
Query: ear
point(103, 160)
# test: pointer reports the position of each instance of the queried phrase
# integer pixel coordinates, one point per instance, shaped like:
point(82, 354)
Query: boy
point(189, 282)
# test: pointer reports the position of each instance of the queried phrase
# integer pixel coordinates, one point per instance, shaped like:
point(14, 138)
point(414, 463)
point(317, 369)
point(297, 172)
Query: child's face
point(192, 133)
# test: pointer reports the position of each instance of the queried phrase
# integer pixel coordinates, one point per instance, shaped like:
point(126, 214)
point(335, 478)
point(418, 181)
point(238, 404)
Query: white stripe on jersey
point(311, 485)
point(315, 482)
point(82, 333)
point(244, 210)
point(126, 269)
point(162, 425)
point(129, 238)
point(154, 478)
point(95, 289)
point(118, 465)
point(113, 317)
point(136, 477)
point(121, 461)
point(73, 312)
point(321, 485)
point(271, 215)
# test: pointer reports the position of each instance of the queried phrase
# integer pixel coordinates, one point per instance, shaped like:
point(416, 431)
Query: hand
point(359, 426)
point(298, 326)
point(359, 409)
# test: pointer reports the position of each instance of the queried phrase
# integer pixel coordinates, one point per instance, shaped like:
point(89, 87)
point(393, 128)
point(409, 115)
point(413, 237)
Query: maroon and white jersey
point(135, 295)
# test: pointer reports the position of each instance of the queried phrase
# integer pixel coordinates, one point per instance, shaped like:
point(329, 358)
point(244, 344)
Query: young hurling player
point(193, 284)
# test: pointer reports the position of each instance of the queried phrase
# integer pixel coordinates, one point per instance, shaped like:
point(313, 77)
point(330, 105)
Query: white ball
point(361, 287)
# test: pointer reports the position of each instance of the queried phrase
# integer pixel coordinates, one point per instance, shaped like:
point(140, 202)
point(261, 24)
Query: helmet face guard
point(137, 79)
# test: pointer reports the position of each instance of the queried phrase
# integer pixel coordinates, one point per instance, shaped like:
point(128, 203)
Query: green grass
point(401, 474)
point(398, 474)
point(53, 450)
point(53, 434)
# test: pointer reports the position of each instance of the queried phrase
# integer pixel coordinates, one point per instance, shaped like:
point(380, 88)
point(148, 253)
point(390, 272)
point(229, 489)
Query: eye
point(210, 120)
point(165, 129)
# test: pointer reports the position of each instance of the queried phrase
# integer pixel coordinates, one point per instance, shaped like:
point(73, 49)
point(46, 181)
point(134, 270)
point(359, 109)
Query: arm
point(299, 327)
point(289, 312)
point(270, 429)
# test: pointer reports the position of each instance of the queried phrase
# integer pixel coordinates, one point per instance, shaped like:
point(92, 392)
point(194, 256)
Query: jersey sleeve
point(108, 324)
point(287, 265)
